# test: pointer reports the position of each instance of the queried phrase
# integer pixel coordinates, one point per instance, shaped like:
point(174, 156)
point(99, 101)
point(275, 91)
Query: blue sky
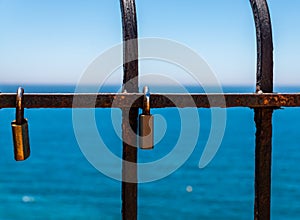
point(54, 41)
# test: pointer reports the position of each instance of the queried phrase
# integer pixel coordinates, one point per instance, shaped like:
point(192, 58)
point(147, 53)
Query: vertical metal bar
point(264, 75)
point(129, 116)
point(263, 157)
point(263, 117)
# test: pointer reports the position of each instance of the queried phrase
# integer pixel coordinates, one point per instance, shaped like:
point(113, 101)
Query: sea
point(58, 181)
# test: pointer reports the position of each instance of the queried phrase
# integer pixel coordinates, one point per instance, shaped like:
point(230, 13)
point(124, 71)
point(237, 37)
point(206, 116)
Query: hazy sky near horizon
point(54, 41)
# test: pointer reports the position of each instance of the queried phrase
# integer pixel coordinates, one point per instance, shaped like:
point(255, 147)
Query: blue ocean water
point(57, 182)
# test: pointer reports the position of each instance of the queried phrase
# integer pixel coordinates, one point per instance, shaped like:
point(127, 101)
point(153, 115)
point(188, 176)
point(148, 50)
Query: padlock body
point(21, 140)
point(146, 131)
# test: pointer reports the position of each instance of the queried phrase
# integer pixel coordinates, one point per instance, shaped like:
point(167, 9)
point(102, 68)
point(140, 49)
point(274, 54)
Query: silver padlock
point(146, 124)
point(20, 130)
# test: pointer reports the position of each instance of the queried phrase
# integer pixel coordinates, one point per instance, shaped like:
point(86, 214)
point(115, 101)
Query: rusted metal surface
point(264, 75)
point(232, 100)
point(263, 102)
point(263, 117)
point(129, 116)
point(263, 156)
point(122, 100)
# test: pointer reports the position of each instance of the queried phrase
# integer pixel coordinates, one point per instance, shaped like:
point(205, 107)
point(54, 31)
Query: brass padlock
point(146, 124)
point(20, 130)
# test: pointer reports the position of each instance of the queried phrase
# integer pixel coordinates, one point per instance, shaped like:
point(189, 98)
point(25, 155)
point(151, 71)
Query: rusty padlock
point(20, 130)
point(146, 124)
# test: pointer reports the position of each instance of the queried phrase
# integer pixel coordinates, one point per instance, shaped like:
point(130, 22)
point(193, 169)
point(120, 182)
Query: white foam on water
point(27, 199)
point(189, 189)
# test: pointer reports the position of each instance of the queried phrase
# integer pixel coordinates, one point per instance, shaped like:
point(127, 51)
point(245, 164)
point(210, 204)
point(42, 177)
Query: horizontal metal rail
point(128, 100)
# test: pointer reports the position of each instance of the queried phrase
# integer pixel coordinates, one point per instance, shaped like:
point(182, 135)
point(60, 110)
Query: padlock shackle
point(19, 106)
point(146, 101)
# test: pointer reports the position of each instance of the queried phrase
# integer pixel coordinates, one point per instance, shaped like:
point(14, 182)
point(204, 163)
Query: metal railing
point(263, 101)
